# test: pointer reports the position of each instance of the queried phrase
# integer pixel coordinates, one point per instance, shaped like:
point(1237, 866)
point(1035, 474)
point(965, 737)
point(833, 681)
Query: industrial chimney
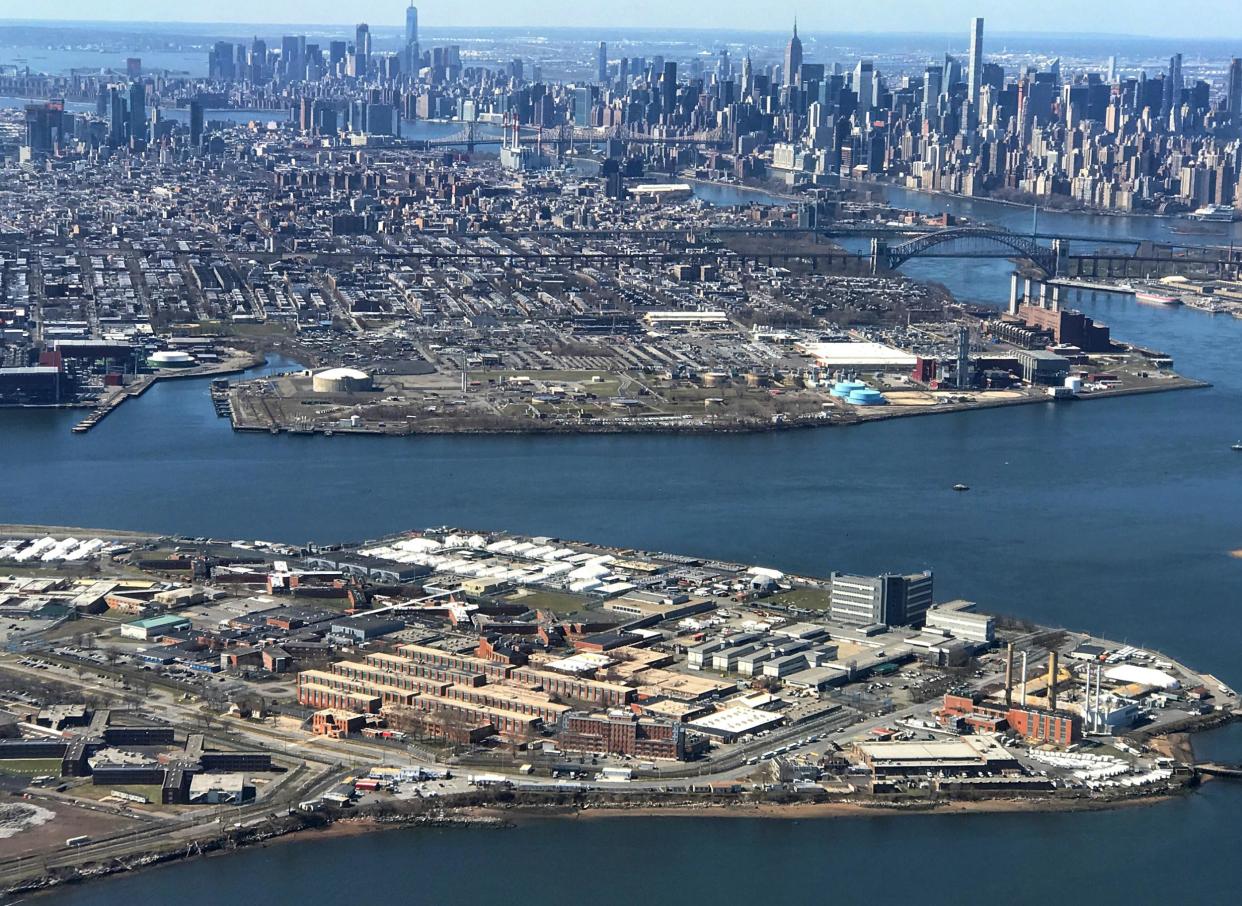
point(1009, 676)
point(1052, 681)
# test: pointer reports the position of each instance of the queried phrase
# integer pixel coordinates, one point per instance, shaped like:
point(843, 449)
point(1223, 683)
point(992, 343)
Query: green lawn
point(812, 598)
point(31, 767)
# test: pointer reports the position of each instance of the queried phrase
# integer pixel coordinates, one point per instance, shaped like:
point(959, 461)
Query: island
point(170, 696)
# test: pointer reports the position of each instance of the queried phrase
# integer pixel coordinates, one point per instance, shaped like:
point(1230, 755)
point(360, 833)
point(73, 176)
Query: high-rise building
point(976, 60)
point(137, 112)
point(291, 57)
point(793, 57)
point(668, 87)
point(44, 126)
point(116, 118)
point(1233, 89)
point(864, 86)
point(601, 63)
point(196, 122)
point(933, 86)
point(890, 599)
point(412, 53)
point(362, 47)
point(1172, 97)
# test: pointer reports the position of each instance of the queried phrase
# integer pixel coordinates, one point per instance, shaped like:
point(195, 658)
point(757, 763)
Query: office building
point(976, 61)
point(601, 63)
point(362, 48)
point(793, 57)
point(1233, 89)
point(890, 599)
point(412, 53)
point(137, 112)
point(196, 122)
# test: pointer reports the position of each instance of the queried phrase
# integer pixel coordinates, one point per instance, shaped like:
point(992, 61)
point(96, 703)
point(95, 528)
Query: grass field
point(153, 791)
point(555, 601)
point(31, 767)
point(811, 598)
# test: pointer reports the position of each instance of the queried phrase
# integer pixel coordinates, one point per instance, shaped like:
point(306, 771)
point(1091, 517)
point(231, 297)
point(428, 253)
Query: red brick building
point(1036, 724)
point(623, 734)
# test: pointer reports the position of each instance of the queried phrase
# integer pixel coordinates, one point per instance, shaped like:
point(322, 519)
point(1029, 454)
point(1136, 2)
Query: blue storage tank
point(844, 388)
point(865, 396)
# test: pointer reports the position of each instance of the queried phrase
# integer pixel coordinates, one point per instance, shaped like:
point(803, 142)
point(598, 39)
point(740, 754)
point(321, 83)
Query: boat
point(1214, 213)
point(961, 487)
point(1142, 295)
point(1237, 448)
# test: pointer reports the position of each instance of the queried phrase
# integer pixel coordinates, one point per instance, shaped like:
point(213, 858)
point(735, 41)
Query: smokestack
point(1052, 680)
point(1024, 679)
point(1099, 696)
point(1009, 676)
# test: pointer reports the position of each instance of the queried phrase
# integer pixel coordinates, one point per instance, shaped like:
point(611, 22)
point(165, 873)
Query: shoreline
point(515, 817)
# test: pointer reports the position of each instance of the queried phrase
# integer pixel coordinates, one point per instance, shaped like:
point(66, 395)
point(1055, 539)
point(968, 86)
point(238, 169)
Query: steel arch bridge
point(973, 242)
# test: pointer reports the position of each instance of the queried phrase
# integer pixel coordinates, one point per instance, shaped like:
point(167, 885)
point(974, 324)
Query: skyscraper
point(793, 57)
point(196, 122)
point(137, 112)
point(864, 78)
point(362, 47)
point(601, 63)
point(933, 85)
point(976, 60)
point(1172, 87)
point(412, 53)
point(669, 88)
point(1233, 89)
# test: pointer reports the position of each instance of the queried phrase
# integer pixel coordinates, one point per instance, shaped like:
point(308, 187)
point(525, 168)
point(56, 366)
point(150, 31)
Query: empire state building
point(793, 58)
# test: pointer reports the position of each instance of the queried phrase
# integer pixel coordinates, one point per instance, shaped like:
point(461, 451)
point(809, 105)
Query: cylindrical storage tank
point(168, 358)
point(341, 380)
point(756, 380)
point(715, 379)
point(865, 396)
point(843, 388)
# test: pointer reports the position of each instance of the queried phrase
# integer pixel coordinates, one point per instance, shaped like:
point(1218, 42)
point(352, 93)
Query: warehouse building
point(959, 619)
point(152, 627)
point(730, 723)
point(968, 757)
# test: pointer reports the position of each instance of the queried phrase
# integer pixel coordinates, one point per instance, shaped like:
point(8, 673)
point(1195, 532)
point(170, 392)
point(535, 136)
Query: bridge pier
point(879, 255)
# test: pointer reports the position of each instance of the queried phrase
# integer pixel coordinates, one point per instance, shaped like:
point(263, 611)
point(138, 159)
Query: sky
point(1160, 18)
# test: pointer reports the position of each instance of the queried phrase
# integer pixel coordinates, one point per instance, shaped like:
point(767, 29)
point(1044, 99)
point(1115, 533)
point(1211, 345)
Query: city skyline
point(1145, 18)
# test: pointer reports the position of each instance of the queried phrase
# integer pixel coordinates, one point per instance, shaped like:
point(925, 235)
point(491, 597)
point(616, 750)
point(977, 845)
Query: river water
point(1113, 516)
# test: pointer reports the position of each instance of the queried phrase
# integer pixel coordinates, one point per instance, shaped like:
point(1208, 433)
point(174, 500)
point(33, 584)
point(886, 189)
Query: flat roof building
point(889, 600)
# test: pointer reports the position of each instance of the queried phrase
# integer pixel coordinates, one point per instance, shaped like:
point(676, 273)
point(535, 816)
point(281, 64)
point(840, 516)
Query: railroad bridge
point(965, 242)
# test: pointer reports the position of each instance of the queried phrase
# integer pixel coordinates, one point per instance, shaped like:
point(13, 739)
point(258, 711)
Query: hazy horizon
point(1206, 19)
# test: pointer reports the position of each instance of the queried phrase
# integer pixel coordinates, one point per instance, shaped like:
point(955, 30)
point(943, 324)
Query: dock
point(219, 388)
point(108, 406)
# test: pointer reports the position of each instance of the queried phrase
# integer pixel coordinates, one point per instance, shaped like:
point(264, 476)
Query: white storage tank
point(341, 380)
